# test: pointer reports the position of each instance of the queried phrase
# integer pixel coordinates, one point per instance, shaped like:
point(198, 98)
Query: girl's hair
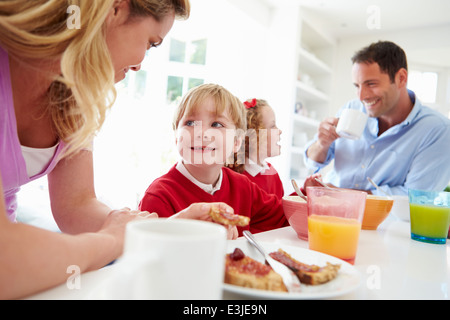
point(80, 96)
point(223, 100)
point(254, 120)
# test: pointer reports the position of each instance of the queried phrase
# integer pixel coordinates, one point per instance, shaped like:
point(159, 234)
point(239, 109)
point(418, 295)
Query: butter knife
point(290, 280)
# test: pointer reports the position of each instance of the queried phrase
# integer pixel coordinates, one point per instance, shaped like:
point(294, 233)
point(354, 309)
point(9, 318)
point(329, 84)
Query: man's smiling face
point(375, 89)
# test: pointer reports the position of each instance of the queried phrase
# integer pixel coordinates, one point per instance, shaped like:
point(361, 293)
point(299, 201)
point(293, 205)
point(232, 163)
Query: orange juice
point(335, 236)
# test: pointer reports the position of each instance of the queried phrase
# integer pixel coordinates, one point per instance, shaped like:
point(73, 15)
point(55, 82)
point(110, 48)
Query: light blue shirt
point(415, 154)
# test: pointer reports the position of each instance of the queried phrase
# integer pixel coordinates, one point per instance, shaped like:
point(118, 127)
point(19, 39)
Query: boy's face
point(206, 138)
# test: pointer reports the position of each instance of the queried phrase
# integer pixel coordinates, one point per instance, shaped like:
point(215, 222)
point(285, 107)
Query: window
point(194, 83)
point(190, 58)
point(198, 52)
point(177, 50)
point(140, 84)
point(174, 88)
point(424, 84)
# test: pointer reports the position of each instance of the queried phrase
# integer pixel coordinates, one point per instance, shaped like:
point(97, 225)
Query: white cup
point(351, 124)
point(172, 259)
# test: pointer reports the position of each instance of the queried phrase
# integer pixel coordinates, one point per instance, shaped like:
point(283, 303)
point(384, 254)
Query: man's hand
point(326, 136)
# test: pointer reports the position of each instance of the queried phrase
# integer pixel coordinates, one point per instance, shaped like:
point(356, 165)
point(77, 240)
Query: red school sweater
point(269, 181)
point(174, 192)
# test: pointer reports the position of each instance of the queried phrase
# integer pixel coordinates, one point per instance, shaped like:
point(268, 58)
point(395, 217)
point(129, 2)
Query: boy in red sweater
point(210, 124)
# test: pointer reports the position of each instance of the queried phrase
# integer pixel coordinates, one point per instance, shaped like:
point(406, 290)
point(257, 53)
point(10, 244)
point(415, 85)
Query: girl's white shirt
point(253, 168)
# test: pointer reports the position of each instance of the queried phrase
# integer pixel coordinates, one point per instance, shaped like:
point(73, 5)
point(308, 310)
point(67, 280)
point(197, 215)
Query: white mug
point(172, 259)
point(351, 124)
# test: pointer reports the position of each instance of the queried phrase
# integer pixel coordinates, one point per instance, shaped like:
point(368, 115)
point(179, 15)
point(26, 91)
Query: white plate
point(347, 280)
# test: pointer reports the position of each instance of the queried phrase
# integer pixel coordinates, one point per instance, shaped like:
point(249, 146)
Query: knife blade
point(290, 280)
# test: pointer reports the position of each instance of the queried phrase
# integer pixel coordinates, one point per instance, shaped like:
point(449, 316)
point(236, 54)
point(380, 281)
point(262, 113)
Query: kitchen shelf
point(311, 64)
point(315, 62)
point(306, 121)
point(306, 92)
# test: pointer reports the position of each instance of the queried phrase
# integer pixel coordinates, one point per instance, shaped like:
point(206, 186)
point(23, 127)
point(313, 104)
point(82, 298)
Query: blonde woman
point(59, 61)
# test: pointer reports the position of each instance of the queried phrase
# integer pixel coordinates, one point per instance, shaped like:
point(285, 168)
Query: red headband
point(251, 104)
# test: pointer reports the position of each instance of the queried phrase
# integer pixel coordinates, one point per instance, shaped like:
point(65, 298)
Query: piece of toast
point(241, 270)
point(228, 219)
point(308, 274)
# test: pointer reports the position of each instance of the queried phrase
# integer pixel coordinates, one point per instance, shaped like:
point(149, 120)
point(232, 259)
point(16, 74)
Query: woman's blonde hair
point(80, 97)
point(223, 101)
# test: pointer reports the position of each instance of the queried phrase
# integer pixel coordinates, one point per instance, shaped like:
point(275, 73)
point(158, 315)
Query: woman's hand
point(117, 220)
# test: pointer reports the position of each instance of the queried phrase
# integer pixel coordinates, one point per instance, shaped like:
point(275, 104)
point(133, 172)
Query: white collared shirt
point(209, 188)
point(253, 168)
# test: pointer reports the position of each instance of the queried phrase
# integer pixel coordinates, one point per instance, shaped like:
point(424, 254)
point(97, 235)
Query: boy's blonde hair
point(79, 98)
point(223, 100)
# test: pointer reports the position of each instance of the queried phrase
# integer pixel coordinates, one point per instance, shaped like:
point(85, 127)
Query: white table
point(392, 266)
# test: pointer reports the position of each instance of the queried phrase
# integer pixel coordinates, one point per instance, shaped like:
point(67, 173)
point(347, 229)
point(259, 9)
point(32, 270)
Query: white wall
point(262, 51)
point(280, 75)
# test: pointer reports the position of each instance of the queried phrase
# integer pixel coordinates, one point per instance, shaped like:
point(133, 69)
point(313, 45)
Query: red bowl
point(296, 212)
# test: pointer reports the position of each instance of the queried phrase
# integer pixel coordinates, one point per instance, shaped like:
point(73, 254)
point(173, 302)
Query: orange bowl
point(296, 212)
point(377, 209)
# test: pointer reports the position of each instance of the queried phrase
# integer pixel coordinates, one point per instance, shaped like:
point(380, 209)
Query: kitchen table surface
point(390, 263)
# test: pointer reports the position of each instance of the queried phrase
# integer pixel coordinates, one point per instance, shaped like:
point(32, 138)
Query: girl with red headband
point(261, 142)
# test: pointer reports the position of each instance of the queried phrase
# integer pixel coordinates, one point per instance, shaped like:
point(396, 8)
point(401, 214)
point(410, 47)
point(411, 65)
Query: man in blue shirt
point(405, 145)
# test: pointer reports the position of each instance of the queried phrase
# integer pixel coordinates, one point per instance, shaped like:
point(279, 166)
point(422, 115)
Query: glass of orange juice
point(334, 221)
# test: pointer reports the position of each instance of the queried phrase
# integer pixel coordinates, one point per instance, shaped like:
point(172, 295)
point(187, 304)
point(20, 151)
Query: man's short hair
point(389, 56)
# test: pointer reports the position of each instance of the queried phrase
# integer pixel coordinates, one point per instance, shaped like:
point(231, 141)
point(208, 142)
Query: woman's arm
point(33, 259)
point(72, 196)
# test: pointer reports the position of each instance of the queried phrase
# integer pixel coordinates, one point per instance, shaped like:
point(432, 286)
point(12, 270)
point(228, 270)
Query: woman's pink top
point(12, 164)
